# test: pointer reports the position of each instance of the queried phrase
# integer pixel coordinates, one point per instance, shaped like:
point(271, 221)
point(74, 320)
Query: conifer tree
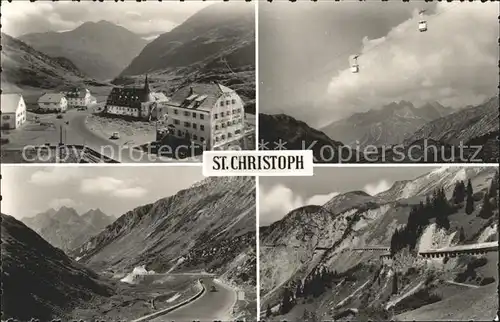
point(486, 210)
point(269, 312)
point(469, 207)
point(395, 283)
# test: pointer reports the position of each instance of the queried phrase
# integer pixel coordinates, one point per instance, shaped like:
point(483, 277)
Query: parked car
point(59, 116)
point(213, 289)
point(115, 136)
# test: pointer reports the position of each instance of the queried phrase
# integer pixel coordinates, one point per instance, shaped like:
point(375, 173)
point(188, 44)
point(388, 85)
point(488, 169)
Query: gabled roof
point(126, 96)
point(10, 102)
point(198, 96)
point(51, 98)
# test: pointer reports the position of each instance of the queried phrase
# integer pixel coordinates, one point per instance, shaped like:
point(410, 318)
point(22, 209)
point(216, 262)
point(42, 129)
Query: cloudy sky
point(27, 191)
point(146, 18)
point(280, 195)
point(305, 51)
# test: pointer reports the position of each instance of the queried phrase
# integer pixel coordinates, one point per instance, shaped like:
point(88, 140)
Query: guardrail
point(175, 307)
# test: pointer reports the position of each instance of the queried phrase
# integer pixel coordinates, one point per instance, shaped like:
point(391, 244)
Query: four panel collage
point(107, 108)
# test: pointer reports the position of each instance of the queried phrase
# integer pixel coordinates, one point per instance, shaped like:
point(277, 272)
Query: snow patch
point(488, 233)
point(173, 298)
point(78, 258)
point(134, 277)
point(434, 238)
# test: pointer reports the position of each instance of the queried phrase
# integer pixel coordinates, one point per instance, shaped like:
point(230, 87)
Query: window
point(223, 137)
point(233, 101)
point(195, 137)
point(194, 126)
point(186, 113)
point(223, 125)
point(234, 111)
point(216, 139)
point(228, 102)
point(6, 117)
point(202, 116)
point(194, 115)
point(216, 127)
point(237, 132)
point(228, 123)
point(221, 114)
point(179, 133)
point(216, 116)
point(234, 122)
point(202, 139)
point(187, 124)
point(176, 112)
point(221, 103)
point(202, 127)
point(176, 122)
point(229, 135)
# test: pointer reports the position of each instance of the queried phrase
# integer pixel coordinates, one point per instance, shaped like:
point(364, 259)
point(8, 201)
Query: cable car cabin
point(422, 25)
point(355, 68)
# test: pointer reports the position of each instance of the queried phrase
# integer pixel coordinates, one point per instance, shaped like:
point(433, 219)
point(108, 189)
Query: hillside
point(462, 126)
point(297, 135)
point(53, 283)
point(388, 125)
point(357, 284)
point(209, 226)
point(23, 66)
point(66, 229)
point(99, 49)
point(215, 44)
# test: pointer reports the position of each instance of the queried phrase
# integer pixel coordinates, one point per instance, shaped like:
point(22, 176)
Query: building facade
point(53, 102)
point(13, 111)
point(208, 114)
point(137, 103)
point(79, 97)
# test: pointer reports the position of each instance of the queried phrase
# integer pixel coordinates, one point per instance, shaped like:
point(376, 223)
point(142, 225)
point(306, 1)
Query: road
point(209, 307)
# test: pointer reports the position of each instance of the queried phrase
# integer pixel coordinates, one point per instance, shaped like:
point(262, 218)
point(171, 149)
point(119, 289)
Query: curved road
point(210, 306)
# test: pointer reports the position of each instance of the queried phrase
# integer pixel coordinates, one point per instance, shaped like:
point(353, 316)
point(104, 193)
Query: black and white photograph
point(380, 244)
point(106, 82)
point(380, 82)
point(127, 244)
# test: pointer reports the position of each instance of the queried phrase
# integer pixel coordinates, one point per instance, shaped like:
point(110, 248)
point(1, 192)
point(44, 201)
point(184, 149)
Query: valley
point(187, 256)
point(387, 256)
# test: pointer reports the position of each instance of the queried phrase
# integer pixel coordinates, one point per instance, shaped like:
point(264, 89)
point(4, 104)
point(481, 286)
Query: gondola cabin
point(422, 25)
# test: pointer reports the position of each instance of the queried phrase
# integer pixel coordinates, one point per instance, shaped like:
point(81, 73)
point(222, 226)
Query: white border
point(257, 204)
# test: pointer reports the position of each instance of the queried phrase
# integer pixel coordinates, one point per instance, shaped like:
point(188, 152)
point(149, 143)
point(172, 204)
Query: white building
point(78, 97)
point(13, 111)
point(53, 102)
point(210, 114)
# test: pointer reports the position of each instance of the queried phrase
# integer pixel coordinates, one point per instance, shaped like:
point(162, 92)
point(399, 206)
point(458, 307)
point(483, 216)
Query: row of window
point(233, 101)
point(228, 123)
point(180, 133)
point(193, 114)
point(235, 111)
point(190, 125)
point(229, 136)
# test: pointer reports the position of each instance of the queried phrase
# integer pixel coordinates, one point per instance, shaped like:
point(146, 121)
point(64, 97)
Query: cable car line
point(334, 58)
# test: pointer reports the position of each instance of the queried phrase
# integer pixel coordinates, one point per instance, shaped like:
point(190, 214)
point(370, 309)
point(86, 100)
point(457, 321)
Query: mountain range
point(475, 126)
point(389, 125)
point(217, 44)
point(100, 50)
point(65, 228)
point(361, 288)
point(38, 280)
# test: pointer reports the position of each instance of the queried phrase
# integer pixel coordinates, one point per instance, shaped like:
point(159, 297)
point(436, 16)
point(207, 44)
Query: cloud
point(279, 200)
point(58, 203)
point(454, 62)
point(54, 176)
point(112, 186)
point(375, 188)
